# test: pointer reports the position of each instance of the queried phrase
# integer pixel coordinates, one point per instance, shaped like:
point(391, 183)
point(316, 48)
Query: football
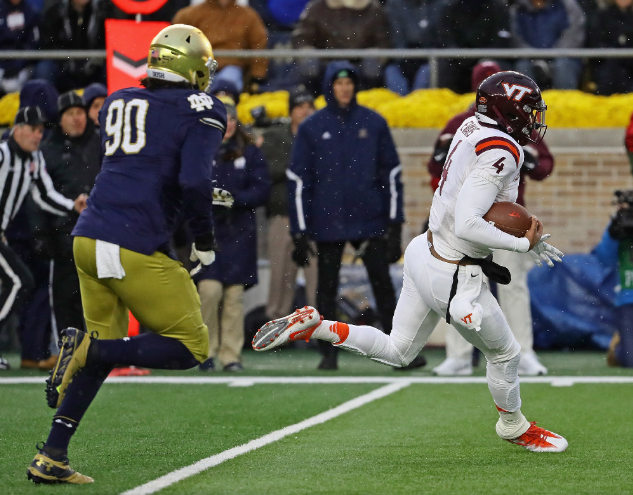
point(511, 218)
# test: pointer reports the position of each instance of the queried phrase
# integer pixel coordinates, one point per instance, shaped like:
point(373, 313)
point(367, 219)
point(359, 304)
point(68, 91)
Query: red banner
point(139, 6)
point(127, 47)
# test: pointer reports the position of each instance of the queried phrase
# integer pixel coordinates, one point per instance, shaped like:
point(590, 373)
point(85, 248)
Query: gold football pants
point(156, 289)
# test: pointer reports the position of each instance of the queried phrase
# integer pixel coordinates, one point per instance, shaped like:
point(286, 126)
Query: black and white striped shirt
point(21, 172)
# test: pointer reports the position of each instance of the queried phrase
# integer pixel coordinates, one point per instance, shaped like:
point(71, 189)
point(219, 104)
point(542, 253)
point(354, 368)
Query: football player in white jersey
point(444, 268)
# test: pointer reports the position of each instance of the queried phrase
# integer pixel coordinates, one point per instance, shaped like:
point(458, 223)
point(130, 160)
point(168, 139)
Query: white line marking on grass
point(242, 382)
point(311, 380)
point(214, 460)
point(561, 382)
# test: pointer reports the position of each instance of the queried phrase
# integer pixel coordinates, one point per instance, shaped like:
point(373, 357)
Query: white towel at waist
point(109, 261)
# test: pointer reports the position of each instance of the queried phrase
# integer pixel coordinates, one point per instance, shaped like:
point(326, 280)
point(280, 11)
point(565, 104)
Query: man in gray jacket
point(276, 147)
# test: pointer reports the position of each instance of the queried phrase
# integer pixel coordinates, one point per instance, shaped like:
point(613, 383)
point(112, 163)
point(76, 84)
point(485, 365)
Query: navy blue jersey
point(158, 148)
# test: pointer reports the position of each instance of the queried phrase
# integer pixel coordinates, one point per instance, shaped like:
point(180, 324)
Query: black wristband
point(205, 242)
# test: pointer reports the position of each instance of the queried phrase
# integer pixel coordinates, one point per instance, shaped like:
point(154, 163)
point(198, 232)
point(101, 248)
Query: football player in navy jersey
point(158, 142)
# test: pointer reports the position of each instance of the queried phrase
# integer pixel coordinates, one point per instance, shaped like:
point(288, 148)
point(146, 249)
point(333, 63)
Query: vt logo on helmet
point(520, 90)
point(182, 53)
point(512, 101)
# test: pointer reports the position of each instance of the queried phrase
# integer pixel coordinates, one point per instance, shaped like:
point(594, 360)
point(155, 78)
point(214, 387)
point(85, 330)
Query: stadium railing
point(433, 55)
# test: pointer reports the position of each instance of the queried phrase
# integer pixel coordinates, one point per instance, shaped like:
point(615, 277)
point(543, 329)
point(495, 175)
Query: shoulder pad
point(203, 107)
point(499, 143)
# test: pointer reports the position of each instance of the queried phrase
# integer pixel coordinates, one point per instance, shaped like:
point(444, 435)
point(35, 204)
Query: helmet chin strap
point(502, 120)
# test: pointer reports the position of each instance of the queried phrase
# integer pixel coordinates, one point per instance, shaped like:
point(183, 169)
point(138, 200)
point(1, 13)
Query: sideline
point(247, 381)
point(183, 473)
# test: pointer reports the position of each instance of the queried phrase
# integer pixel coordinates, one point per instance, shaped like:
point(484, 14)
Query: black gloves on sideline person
point(394, 242)
point(303, 250)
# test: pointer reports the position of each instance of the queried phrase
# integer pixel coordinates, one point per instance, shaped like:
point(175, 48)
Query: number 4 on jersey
point(447, 166)
point(499, 165)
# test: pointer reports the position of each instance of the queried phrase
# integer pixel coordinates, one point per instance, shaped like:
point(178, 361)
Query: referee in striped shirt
point(23, 170)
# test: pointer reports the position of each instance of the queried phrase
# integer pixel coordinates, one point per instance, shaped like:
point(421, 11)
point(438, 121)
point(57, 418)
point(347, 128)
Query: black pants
point(35, 317)
point(375, 261)
point(624, 351)
point(17, 282)
point(65, 293)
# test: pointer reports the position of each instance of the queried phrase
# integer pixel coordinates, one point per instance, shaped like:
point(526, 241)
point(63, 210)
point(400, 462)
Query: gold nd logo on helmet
point(182, 53)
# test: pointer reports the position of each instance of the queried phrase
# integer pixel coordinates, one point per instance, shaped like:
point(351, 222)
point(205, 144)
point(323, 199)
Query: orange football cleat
point(297, 326)
point(538, 439)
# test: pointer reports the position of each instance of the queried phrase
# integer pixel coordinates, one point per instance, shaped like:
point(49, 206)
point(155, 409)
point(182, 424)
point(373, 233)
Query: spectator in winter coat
point(470, 24)
point(18, 31)
point(413, 24)
point(73, 159)
point(277, 148)
point(351, 24)
point(549, 24)
point(230, 26)
point(94, 96)
point(240, 168)
point(43, 94)
point(74, 25)
point(345, 187)
point(612, 27)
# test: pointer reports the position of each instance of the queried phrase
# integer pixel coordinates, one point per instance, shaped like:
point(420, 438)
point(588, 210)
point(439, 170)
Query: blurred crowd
point(338, 24)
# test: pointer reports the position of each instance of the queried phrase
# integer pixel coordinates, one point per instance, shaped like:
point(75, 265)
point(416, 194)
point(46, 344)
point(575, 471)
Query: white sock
point(511, 424)
point(364, 340)
point(331, 331)
point(503, 382)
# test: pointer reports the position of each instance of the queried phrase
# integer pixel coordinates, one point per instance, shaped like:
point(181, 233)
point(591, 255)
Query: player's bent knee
point(505, 371)
point(404, 359)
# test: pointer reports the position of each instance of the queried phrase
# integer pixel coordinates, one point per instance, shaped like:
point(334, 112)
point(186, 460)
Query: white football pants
point(514, 300)
point(423, 301)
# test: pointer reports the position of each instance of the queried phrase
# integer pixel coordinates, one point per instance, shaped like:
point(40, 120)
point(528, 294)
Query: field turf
point(426, 438)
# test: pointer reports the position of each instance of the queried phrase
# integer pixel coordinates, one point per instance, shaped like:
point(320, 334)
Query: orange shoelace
point(536, 436)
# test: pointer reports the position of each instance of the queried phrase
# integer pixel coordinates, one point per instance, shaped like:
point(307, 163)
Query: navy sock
point(148, 350)
point(79, 395)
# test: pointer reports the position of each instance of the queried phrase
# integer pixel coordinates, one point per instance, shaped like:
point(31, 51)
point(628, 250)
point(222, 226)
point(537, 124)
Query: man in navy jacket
point(344, 186)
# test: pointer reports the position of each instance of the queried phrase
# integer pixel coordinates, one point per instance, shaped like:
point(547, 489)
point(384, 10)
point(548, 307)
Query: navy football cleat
point(72, 357)
point(43, 469)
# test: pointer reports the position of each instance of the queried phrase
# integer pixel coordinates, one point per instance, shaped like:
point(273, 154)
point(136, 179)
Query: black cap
point(29, 116)
point(297, 98)
point(67, 100)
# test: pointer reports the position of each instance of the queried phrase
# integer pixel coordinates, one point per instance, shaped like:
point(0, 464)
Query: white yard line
point(285, 380)
point(183, 473)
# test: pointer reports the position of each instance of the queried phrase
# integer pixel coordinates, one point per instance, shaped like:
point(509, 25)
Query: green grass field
point(435, 438)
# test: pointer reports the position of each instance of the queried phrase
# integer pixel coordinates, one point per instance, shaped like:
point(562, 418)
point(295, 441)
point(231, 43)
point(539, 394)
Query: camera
point(621, 226)
point(262, 119)
point(624, 197)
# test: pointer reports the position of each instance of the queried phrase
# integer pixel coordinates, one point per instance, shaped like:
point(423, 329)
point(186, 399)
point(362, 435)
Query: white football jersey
point(489, 154)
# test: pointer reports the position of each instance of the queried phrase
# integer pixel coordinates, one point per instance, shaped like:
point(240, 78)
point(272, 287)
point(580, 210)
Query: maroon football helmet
point(514, 102)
